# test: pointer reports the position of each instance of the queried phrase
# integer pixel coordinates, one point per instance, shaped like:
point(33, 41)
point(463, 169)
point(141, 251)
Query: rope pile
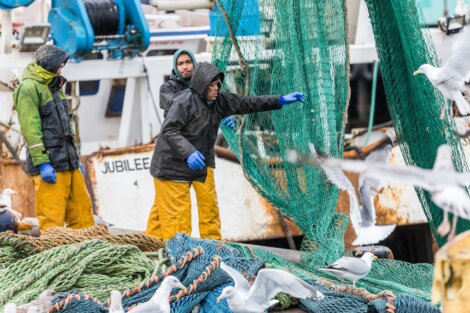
point(14, 246)
point(93, 267)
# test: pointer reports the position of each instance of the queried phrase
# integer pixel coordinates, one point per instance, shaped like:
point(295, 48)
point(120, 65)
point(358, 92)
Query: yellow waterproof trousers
point(65, 203)
point(171, 211)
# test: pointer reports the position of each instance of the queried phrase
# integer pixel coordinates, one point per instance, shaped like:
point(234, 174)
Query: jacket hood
point(203, 75)
point(50, 57)
point(175, 58)
point(36, 72)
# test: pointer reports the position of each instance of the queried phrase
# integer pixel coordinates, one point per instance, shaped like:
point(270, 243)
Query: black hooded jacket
point(175, 84)
point(168, 91)
point(191, 124)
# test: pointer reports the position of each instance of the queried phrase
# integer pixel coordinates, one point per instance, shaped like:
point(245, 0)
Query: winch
point(83, 26)
point(11, 4)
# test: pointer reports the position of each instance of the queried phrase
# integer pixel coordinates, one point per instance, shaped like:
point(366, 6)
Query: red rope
point(188, 257)
point(202, 278)
point(69, 299)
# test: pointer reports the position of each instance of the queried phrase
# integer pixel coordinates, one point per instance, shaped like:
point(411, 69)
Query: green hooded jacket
point(47, 131)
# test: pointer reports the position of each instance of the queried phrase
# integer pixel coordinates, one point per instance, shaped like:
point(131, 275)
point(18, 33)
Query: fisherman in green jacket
point(52, 159)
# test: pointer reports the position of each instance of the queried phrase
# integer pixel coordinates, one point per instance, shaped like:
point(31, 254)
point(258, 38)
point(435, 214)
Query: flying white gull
point(450, 78)
point(368, 189)
point(351, 268)
point(116, 302)
point(244, 298)
point(159, 302)
point(446, 186)
point(362, 218)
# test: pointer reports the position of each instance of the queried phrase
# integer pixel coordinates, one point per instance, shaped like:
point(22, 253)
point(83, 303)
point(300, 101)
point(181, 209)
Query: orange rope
point(189, 256)
point(71, 298)
point(202, 278)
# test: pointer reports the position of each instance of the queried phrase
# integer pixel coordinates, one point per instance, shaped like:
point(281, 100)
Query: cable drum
point(104, 16)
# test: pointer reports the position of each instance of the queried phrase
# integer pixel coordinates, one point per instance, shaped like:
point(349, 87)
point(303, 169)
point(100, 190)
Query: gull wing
point(270, 282)
point(241, 282)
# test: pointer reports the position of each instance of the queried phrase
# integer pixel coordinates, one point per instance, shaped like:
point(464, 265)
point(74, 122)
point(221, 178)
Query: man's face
point(60, 68)
point(213, 90)
point(184, 66)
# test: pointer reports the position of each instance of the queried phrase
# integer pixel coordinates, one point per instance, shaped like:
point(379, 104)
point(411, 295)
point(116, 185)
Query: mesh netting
point(300, 46)
point(397, 276)
point(93, 267)
point(403, 45)
point(403, 304)
point(194, 262)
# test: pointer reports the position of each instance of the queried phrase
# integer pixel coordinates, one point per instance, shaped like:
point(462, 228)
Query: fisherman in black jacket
point(184, 63)
point(184, 152)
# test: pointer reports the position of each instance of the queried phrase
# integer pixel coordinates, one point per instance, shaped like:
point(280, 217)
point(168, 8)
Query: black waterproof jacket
point(168, 91)
point(191, 124)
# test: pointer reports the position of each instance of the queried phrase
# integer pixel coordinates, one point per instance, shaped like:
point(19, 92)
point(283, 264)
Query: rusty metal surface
point(12, 176)
point(395, 204)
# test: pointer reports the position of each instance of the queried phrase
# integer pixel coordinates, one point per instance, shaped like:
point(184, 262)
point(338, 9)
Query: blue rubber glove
point(229, 122)
point(82, 169)
point(196, 161)
point(291, 98)
point(48, 173)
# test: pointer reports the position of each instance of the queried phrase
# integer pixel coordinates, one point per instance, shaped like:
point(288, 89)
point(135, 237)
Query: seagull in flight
point(451, 77)
point(245, 298)
point(363, 218)
point(443, 182)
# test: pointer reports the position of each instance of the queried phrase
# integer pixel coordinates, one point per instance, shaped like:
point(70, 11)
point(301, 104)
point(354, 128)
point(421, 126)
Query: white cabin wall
point(95, 128)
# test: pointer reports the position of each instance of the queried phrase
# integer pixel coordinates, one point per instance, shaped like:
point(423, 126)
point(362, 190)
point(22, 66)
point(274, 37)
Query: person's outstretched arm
point(231, 103)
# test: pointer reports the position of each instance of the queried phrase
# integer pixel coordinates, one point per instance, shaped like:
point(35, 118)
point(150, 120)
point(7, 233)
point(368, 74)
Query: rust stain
point(343, 207)
point(15, 178)
point(353, 154)
point(104, 152)
point(387, 216)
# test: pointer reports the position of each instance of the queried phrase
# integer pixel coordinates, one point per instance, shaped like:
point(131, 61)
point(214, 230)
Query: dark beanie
point(50, 57)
